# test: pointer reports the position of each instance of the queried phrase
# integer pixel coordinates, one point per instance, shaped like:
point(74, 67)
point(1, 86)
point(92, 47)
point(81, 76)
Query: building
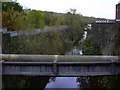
point(118, 11)
point(107, 32)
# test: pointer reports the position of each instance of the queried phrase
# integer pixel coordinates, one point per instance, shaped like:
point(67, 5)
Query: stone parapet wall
point(108, 34)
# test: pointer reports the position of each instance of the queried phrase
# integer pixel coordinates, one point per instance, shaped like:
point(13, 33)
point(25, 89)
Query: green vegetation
point(11, 6)
point(53, 42)
point(90, 47)
point(50, 43)
point(15, 18)
point(35, 19)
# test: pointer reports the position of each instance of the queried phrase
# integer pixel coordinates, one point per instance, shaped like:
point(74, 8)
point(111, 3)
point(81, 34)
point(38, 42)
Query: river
point(63, 82)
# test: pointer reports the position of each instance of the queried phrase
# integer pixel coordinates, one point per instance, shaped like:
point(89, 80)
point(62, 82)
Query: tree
point(13, 16)
point(35, 19)
point(11, 6)
point(12, 20)
point(49, 18)
point(72, 11)
point(90, 47)
point(60, 21)
point(75, 27)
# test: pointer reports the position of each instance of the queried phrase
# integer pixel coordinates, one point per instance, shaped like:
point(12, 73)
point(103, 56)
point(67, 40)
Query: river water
point(63, 82)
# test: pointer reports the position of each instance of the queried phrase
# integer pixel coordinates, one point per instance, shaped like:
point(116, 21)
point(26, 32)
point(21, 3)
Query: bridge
point(59, 65)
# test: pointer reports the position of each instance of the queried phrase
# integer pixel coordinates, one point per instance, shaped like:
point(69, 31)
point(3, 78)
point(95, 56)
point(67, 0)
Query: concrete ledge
point(57, 58)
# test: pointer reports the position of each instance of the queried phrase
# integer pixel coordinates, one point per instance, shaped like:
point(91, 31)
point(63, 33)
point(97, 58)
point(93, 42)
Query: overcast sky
point(95, 8)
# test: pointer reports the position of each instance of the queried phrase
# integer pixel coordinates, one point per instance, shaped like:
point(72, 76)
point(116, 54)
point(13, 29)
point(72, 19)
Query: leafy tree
point(35, 19)
point(13, 16)
point(90, 47)
point(75, 27)
point(13, 20)
point(11, 6)
point(50, 19)
point(60, 21)
point(72, 11)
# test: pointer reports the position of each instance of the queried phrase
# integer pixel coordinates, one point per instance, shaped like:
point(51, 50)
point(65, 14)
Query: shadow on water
point(9, 82)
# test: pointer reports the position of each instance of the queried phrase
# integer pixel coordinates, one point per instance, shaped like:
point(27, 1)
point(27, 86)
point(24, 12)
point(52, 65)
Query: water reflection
point(63, 82)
